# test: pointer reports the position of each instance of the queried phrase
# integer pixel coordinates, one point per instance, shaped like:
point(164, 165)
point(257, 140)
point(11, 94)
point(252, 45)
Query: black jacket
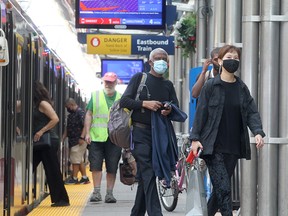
point(209, 111)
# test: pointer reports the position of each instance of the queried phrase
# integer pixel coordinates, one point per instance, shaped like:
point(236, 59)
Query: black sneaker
point(60, 204)
point(84, 181)
point(71, 180)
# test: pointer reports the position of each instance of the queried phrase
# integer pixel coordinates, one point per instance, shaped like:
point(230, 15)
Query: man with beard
point(99, 145)
point(206, 74)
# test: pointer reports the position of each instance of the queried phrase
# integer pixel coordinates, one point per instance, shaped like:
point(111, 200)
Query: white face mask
point(160, 66)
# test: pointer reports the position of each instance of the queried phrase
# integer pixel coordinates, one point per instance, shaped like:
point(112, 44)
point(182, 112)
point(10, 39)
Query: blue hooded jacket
point(164, 143)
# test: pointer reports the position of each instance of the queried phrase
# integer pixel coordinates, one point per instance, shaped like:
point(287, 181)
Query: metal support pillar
point(219, 23)
point(233, 21)
point(283, 116)
point(178, 67)
point(269, 108)
point(201, 32)
point(249, 74)
point(186, 92)
point(210, 26)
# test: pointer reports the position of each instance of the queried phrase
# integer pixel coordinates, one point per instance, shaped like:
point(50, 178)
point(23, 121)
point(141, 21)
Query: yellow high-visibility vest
point(99, 130)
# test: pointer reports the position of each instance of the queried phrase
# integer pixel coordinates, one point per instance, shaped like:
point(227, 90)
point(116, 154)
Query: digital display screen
point(124, 68)
point(120, 14)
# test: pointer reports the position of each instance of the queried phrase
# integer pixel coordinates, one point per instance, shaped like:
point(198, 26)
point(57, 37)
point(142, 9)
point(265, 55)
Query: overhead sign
point(127, 44)
point(109, 44)
point(144, 44)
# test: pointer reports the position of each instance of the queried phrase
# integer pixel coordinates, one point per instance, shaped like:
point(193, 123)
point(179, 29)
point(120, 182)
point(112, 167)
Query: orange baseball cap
point(110, 77)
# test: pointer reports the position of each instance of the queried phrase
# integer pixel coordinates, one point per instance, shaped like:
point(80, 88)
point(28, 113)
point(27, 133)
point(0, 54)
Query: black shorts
point(104, 151)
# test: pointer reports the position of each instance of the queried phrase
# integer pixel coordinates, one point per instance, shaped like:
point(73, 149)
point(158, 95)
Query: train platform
point(79, 202)
point(80, 206)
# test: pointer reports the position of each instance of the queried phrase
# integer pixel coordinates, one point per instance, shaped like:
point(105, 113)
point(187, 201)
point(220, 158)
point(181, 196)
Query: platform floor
point(80, 206)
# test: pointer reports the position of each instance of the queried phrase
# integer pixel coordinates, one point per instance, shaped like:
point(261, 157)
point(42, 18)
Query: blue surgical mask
point(160, 66)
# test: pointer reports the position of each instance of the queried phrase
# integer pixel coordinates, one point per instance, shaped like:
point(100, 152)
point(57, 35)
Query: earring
point(220, 69)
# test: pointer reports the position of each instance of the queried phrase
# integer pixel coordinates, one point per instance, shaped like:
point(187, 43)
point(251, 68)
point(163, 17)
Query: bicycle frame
point(180, 177)
point(169, 195)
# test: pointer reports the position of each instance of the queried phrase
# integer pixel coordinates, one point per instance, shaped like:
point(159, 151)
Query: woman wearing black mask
point(225, 109)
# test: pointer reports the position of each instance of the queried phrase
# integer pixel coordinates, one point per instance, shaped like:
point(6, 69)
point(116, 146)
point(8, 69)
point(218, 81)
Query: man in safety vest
point(99, 145)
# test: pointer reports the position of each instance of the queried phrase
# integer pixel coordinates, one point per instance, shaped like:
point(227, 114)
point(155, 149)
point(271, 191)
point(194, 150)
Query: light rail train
point(29, 59)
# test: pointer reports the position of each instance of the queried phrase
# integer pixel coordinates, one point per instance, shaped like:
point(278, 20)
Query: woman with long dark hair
point(44, 120)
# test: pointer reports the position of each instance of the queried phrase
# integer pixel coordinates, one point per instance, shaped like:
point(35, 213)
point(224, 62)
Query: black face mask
point(70, 110)
point(231, 65)
point(216, 67)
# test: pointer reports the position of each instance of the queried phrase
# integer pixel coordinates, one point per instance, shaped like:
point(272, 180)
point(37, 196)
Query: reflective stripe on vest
point(98, 130)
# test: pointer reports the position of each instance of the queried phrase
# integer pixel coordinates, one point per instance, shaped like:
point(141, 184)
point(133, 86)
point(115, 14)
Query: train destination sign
point(121, 14)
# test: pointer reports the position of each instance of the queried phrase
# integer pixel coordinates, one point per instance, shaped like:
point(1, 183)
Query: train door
point(24, 116)
point(59, 102)
point(7, 160)
point(2, 150)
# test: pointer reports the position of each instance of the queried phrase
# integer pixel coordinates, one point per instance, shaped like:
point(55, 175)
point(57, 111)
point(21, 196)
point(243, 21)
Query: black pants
point(221, 167)
point(147, 196)
point(52, 170)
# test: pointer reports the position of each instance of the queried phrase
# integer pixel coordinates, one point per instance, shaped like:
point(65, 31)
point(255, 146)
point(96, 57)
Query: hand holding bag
point(196, 203)
point(128, 168)
point(43, 143)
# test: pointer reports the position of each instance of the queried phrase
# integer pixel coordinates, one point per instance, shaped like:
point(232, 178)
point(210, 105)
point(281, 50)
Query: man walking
point(99, 145)
point(77, 145)
point(156, 91)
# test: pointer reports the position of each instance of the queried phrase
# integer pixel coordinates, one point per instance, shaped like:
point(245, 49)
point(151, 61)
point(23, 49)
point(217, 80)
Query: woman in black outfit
point(225, 109)
point(44, 119)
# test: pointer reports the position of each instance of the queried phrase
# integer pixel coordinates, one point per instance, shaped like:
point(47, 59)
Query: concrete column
point(269, 107)
point(249, 74)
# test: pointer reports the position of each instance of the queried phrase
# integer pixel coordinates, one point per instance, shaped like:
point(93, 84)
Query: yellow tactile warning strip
point(78, 195)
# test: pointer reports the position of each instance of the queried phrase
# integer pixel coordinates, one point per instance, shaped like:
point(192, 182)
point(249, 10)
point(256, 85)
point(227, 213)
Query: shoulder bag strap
point(141, 85)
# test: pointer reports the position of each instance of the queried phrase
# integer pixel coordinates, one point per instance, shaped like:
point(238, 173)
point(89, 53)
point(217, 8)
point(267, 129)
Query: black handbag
point(43, 143)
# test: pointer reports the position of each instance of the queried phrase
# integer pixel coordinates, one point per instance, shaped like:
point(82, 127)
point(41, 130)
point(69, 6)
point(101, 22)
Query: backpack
point(120, 122)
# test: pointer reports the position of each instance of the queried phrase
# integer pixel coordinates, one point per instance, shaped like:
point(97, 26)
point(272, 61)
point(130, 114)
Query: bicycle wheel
point(168, 196)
